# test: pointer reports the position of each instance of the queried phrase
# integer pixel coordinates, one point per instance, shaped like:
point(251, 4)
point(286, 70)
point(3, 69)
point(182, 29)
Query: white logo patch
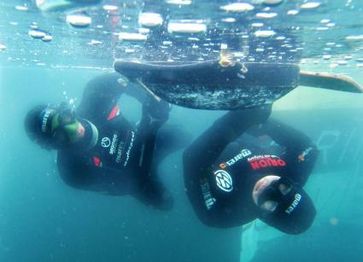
point(209, 200)
point(130, 147)
point(224, 180)
point(45, 119)
point(244, 153)
point(105, 141)
point(113, 144)
point(294, 204)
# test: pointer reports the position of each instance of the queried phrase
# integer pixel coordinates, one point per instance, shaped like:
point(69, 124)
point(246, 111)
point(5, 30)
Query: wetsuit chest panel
point(227, 180)
point(115, 146)
point(229, 167)
point(266, 163)
point(223, 188)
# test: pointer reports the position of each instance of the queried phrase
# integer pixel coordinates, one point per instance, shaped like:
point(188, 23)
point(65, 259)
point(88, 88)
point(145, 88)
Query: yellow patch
point(226, 58)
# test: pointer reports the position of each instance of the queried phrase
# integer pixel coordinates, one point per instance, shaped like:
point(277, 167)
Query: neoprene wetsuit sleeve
point(207, 147)
point(154, 115)
point(100, 96)
point(102, 93)
point(300, 150)
point(82, 175)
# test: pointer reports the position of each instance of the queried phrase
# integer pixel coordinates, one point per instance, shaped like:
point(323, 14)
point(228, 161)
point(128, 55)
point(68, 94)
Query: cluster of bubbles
point(2, 47)
point(251, 29)
point(37, 33)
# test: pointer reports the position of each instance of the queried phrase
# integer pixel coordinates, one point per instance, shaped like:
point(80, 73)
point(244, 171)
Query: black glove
point(157, 112)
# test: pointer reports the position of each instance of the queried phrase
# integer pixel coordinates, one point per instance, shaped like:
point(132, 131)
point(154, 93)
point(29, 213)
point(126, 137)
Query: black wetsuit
point(218, 164)
point(121, 161)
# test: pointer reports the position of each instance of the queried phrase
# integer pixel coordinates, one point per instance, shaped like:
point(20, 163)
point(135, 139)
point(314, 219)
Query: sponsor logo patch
point(209, 200)
point(224, 180)
point(304, 155)
point(294, 204)
point(129, 148)
point(244, 153)
point(119, 152)
point(45, 119)
point(113, 144)
point(258, 162)
point(105, 142)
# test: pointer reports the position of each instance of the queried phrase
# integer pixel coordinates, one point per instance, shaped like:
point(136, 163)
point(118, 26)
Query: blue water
point(41, 219)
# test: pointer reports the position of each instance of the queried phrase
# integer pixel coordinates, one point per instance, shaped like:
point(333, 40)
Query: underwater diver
point(247, 166)
point(98, 149)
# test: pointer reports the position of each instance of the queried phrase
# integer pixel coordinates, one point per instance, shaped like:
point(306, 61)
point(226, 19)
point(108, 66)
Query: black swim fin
point(330, 81)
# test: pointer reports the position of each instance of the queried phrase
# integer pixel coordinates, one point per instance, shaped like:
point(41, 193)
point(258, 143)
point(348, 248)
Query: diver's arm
point(292, 139)
point(100, 96)
point(80, 174)
point(286, 135)
point(136, 91)
point(104, 181)
point(207, 147)
point(301, 152)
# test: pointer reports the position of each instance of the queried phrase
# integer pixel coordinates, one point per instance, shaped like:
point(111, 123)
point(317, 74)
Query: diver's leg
point(170, 138)
point(154, 115)
point(150, 189)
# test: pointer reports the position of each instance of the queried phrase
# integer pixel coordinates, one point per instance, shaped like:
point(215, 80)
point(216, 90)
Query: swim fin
point(330, 81)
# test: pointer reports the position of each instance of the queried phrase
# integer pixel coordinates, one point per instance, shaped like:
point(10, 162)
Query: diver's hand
point(261, 113)
point(156, 111)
